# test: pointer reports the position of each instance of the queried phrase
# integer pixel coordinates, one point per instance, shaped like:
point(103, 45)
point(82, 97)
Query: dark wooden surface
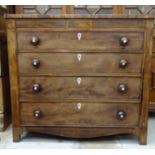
point(5, 111)
point(96, 93)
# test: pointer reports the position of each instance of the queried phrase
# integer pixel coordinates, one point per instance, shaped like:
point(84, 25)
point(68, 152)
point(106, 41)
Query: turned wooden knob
point(35, 40)
point(121, 115)
point(36, 63)
point(122, 88)
point(36, 87)
point(37, 114)
point(123, 63)
point(124, 41)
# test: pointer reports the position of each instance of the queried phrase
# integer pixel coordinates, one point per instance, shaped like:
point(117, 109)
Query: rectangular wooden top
point(110, 16)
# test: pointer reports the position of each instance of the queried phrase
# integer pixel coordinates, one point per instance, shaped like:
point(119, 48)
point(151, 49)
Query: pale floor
point(41, 141)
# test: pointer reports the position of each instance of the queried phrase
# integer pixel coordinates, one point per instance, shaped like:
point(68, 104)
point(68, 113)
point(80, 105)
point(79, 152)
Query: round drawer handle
point(121, 115)
point(122, 88)
point(36, 63)
point(123, 63)
point(36, 88)
point(37, 114)
point(35, 40)
point(124, 41)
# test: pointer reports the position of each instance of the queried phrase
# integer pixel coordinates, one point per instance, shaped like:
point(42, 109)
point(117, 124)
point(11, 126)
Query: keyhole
point(79, 80)
point(79, 36)
point(79, 56)
point(78, 106)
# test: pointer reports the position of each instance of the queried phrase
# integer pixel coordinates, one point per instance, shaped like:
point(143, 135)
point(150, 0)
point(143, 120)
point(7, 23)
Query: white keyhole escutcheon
point(79, 35)
point(78, 106)
point(79, 80)
point(79, 56)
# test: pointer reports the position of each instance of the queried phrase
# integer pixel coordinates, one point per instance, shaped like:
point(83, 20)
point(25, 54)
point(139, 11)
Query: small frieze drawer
point(80, 23)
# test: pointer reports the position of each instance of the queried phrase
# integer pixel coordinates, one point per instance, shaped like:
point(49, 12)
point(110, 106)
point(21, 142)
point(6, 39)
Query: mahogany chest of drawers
point(80, 76)
point(100, 10)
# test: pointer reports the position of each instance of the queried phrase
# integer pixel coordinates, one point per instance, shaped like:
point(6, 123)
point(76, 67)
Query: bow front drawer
point(79, 114)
